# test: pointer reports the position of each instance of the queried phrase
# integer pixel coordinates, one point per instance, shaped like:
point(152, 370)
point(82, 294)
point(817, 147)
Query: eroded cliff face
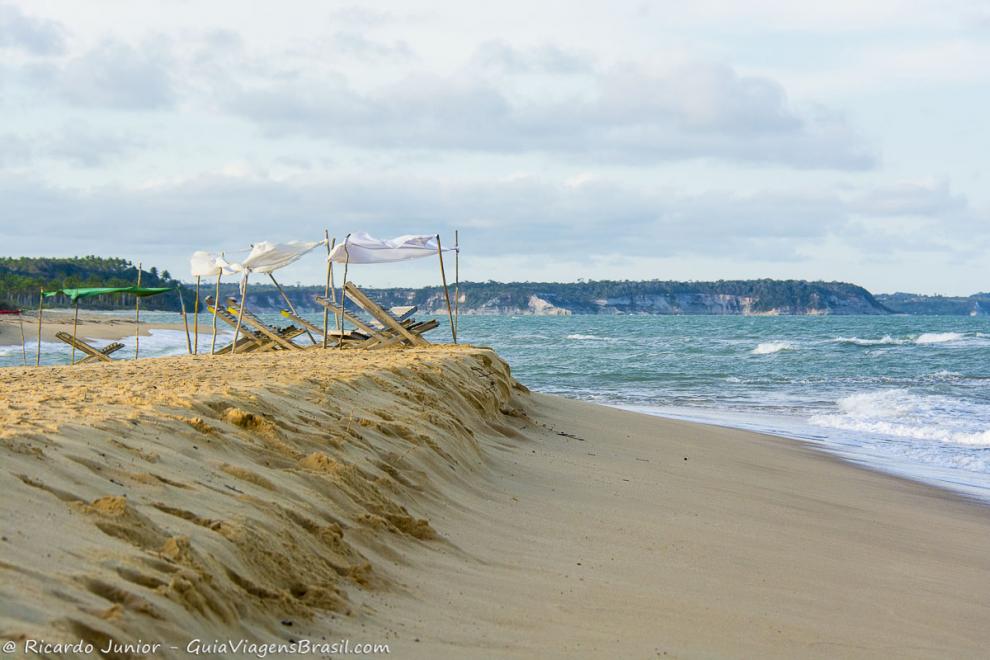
point(669, 304)
point(756, 297)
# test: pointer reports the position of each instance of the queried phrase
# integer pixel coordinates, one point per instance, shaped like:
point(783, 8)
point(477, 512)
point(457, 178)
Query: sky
point(563, 140)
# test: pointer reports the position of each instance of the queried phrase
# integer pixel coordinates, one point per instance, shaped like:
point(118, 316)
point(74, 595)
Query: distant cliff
point(977, 304)
point(21, 278)
point(740, 297)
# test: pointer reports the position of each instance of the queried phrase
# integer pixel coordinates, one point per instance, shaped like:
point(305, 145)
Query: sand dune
point(422, 498)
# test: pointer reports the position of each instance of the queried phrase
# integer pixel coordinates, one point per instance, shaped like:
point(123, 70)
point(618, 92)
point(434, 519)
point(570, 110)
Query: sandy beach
point(424, 499)
point(91, 325)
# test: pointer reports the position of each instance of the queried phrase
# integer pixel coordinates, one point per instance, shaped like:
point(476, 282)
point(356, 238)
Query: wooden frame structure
point(248, 340)
point(92, 354)
point(386, 327)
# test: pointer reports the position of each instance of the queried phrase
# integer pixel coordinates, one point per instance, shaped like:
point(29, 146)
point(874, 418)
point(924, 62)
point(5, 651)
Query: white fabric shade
point(208, 264)
point(362, 248)
point(267, 257)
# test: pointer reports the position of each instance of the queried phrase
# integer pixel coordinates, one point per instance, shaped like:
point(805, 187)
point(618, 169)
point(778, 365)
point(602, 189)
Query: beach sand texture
point(422, 498)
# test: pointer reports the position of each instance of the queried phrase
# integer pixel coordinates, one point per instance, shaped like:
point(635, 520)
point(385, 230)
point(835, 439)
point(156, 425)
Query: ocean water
point(907, 395)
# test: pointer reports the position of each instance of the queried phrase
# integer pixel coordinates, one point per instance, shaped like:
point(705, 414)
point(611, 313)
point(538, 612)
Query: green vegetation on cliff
point(21, 279)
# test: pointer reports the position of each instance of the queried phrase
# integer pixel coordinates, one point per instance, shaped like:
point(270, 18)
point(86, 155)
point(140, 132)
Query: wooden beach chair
point(369, 332)
point(414, 328)
point(248, 340)
point(92, 354)
point(273, 334)
point(387, 320)
point(387, 327)
point(346, 335)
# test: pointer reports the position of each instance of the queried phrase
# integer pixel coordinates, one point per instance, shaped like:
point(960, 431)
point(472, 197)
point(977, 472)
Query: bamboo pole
point(240, 313)
point(457, 281)
point(289, 303)
point(41, 306)
point(196, 319)
point(216, 303)
point(185, 321)
point(24, 355)
point(446, 292)
point(329, 287)
point(137, 317)
point(343, 296)
point(75, 323)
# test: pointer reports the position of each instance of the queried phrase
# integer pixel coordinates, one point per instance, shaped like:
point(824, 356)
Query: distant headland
point(22, 278)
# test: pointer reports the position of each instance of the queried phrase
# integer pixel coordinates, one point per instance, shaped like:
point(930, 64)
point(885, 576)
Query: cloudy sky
point(768, 138)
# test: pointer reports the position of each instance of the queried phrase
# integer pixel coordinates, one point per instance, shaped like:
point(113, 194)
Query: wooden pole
point(24, 355)
point(137, 317)
point(446, 292)
point(289, 303)
point(216, 308)
point(196, 319)
point(240, 312)
point(75, 323)
point(185, 321)
point(326, 292)
point(41, 306)
point(343, 296)
point(457, 281)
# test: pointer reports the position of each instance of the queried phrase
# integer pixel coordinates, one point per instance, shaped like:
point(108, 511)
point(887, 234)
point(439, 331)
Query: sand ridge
point(203, 496)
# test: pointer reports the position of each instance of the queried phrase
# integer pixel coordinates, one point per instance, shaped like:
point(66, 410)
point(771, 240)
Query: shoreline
point(843, 452)
point(92, 325)
point(424, 499)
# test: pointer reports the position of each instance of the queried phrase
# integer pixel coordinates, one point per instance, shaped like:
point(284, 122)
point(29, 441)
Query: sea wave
point(900, 413)
point(580, 337)
point(923, 339)
point(769, 347)
point(938, 337)
point(883, 341)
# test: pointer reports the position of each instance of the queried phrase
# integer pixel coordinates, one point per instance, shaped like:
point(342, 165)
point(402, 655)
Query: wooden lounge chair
point(248, 340)
point(369, 332)
point(400, 314)
point(386, 328)
point(273, 334)
point(382, 316)
point(414, 328)
point(92, 354)
point(346, 335)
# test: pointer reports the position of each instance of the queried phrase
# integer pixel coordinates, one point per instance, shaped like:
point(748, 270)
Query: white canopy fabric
point(362, 248)
point(208, 264)
point(267, 257)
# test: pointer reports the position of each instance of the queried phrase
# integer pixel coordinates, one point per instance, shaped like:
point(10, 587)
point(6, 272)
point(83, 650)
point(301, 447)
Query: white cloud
point(36, 36)
point(113, 75)
point(627, 114)
point(710, 135)
point(523, 215)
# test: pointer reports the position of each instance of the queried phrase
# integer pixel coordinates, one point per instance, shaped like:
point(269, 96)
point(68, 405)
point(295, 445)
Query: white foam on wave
point(770, 347)
point(899, 413)
point(937, 337)
point(886, 340)
point(580, 337)
point(923, 339)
